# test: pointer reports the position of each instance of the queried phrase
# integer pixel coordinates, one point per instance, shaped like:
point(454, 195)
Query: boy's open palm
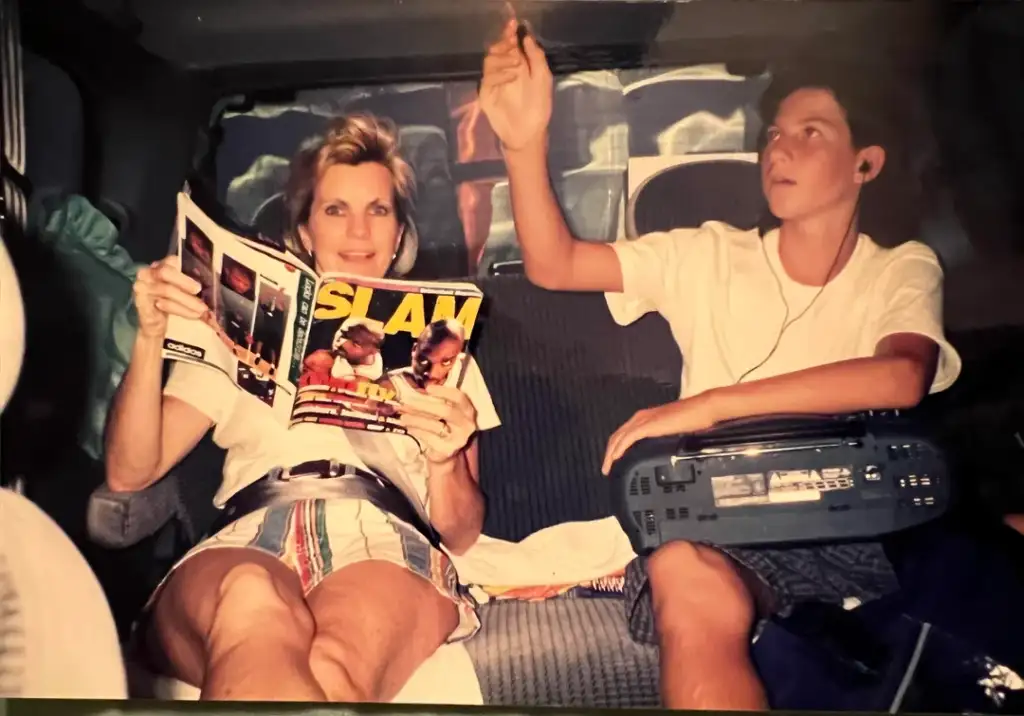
point(515, 92)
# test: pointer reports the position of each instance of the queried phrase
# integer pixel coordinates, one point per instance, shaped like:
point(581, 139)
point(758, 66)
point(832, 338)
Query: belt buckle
point(334, 468)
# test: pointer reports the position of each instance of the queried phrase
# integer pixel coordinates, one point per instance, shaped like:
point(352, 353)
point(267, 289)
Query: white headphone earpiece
point(406, 249)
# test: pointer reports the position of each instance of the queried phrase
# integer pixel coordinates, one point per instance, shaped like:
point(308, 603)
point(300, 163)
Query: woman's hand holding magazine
point(161, 289)
point(443, 425)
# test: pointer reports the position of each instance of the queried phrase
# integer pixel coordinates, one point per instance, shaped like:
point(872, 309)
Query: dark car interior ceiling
point(237, 34)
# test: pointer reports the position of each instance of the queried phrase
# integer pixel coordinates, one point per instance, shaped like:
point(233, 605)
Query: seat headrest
point(694, 192)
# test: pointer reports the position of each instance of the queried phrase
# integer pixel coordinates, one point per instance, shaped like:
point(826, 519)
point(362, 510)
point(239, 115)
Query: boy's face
point(809, 164)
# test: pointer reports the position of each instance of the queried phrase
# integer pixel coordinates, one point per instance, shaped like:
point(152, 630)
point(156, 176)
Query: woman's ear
point(305, 239)
point(870, 162)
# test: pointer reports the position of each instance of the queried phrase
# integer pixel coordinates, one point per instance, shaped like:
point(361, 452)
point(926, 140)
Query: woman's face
point(353, 226)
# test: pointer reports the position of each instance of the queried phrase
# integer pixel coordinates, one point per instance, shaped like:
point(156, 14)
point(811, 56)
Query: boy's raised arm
point(516, 96)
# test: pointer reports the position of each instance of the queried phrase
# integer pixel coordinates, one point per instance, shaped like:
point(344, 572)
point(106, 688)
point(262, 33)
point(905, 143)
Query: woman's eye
point(333, 210)
point(381, 210)
point(811, 132)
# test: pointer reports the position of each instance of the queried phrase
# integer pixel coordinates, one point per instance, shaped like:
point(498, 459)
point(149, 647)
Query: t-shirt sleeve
point(475, 388)
point(911, 302)
point(206, 389)
point(652, 267)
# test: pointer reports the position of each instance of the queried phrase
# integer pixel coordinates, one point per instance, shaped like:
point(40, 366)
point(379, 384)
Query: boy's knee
point(697, 589)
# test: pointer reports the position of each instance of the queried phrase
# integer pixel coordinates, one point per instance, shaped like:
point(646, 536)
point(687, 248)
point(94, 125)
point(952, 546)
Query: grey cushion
point(562, 653)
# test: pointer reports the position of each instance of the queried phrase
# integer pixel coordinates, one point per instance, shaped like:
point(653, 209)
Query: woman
point(322, 599)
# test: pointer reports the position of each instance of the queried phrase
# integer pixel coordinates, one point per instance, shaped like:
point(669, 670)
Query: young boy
point(813, 317)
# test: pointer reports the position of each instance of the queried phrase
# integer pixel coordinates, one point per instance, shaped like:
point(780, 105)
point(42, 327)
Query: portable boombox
point(784, 479)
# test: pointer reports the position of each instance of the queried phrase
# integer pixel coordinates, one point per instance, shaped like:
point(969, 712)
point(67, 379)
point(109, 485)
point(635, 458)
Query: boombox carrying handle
point(769, 428)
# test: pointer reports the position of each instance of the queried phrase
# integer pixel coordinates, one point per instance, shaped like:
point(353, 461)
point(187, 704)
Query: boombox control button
point(674, 474)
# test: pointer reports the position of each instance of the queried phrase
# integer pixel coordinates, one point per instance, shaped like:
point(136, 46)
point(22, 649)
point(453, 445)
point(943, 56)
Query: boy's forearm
point(456, 504)
point(544, 238)
point(881, 382)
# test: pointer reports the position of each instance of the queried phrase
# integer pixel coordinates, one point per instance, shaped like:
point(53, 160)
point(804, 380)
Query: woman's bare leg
point(233, 623)
point(376, 623)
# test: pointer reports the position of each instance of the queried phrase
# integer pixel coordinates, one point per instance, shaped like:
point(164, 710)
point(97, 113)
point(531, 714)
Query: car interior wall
point(140, 118)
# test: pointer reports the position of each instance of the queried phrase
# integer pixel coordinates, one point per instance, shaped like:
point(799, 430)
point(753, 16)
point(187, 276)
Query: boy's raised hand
point(515, 93)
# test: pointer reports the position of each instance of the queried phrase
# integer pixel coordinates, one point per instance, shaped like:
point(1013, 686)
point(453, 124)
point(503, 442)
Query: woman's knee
point(694, 587)
point(252, 599)
point(339, 664)
point(367, 641)
point(218, 599)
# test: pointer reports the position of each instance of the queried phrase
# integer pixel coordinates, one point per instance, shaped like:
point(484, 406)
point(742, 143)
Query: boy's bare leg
point(703, 613)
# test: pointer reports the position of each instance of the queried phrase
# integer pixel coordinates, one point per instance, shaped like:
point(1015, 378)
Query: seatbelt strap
point(14, 197)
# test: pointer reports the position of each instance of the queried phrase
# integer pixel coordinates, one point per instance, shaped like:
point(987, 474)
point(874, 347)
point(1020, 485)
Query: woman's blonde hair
point(352, 139)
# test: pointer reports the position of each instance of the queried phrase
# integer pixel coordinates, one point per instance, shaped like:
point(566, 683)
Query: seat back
point(55, 129)
point(692, 190)
point(42, 137)
point(563, 377)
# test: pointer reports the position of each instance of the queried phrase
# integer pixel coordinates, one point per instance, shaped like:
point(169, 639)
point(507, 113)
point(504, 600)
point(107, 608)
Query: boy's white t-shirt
point(255, 441)
point(716, 288)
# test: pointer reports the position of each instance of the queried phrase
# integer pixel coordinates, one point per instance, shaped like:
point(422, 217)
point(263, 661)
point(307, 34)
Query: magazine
point(335, 349)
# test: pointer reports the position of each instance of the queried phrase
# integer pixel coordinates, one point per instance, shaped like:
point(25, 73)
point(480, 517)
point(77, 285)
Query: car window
point(601, 120)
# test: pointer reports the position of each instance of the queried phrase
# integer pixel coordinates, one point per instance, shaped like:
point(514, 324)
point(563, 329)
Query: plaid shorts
point(780, 578)
point(316, 537)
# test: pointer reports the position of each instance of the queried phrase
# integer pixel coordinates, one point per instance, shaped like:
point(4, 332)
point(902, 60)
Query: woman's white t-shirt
point(255, 441)
point(719, 289)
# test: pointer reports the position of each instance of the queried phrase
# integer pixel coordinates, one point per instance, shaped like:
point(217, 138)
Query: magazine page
point(255, 300)
point(374, 345)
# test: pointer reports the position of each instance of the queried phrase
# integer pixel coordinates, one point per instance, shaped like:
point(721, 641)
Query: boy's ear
point(870, 162)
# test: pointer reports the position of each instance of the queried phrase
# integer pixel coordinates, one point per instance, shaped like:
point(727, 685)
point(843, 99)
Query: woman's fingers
point(429, 409)
point(412, 421)
point(170, 294)
point(455, 398)
point(169, 273)
point(171, 308)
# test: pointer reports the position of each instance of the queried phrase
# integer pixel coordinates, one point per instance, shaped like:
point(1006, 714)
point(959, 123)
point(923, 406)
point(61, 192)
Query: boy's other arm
point(910, 350)
point(553, 258)
point(898, 375)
